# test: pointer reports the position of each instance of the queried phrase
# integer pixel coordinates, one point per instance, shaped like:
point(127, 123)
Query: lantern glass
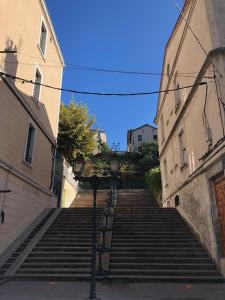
point(114, 164)
point(78, 165)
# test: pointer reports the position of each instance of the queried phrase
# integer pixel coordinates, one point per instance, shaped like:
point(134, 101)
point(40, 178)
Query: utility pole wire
point(192, 31)
point(83, 68)
point(22, 80)
point(194, 34)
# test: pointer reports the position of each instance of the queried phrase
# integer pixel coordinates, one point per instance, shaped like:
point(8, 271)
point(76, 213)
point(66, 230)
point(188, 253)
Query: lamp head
point(78, 165)
point(114, 163)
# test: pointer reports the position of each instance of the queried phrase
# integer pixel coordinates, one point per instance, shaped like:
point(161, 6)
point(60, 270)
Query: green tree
point(153, 182)
point(150, 157)
point(75, 135)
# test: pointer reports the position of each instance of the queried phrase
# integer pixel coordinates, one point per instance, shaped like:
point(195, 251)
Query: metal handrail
point(104, 227)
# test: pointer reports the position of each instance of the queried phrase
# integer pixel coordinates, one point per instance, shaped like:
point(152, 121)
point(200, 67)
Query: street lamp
point(114, 163)
point(78, 168)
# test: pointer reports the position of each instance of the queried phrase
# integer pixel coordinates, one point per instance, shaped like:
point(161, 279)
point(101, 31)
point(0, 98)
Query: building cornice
point(177, 26)
point(47, 15)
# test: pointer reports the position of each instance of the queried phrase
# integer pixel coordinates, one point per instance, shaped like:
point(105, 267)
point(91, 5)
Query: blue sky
point(125, 35)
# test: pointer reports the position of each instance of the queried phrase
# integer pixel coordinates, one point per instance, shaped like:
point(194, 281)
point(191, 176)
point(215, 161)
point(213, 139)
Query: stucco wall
point(20, 25)
point(186, 57)
point(21, 206)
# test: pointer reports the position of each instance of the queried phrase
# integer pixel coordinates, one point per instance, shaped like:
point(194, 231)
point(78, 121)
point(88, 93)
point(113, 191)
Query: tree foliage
point(153, 182)
point(150, 157)
point(75, 135)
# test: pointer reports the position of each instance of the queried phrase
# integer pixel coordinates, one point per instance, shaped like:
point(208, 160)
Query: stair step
point(162, 266)
point(169, 279)
point(61, 271)
point(170, 272)
point(160, 260)
point(153, 254)
point(56, 265)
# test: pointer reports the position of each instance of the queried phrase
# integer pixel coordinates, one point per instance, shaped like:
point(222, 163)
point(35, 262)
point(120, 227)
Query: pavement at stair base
point(52, 290)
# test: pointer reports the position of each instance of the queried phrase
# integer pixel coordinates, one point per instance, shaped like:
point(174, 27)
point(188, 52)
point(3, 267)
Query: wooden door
point(219, 188)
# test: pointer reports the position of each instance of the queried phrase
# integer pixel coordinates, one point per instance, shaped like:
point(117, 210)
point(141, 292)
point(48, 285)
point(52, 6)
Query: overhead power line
point(71, 66)
point(83, 68)
point(22, 80)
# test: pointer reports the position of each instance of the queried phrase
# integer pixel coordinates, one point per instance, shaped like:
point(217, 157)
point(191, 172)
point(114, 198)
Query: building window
point(155, 137)
point(43, 37)
point(162, 129)
point(177, 95)
point(183, 149)
point(30, 144)
point(165, 172)
point(168, 70)
point(37, 87)
point(139, 138)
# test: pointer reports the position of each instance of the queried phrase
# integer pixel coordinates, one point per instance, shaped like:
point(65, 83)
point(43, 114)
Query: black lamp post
point(78, 168)
point(114, 163)
point(94, 180)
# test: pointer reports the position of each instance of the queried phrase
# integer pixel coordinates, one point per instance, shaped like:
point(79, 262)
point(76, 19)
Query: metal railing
point(104, 242)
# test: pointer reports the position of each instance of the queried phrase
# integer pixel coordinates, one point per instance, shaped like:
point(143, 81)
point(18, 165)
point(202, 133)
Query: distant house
point(101, 138)
point(143, 134)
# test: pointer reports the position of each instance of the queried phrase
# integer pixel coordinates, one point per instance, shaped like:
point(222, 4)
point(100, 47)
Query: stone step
point(164, 250)
point(56, 265)
point(64, 244)
point(170, 279)
point(153, 254)
point(154, 239)
point(159, 260)
point(61, 271)
point(59, 254)
point(53, 277)
point(162, 266)
point(55, 259)
point(171, 272)
point(146, 245)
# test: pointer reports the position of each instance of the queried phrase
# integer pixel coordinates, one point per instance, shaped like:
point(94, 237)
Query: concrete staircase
point(148, 243)
point(154, 244)
point(63, 251)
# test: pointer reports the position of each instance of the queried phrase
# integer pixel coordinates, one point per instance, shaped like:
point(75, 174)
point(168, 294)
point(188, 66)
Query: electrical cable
point(215, 69)
point(192, 31)
point(22, 80)
point(88, 68)
point(204, 117)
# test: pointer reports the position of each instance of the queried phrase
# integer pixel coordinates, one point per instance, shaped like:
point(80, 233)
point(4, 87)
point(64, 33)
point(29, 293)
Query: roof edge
point(45, 8)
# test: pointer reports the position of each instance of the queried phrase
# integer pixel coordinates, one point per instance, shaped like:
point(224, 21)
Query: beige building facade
point(191, 124)
point(28, 114)
point(143, 134)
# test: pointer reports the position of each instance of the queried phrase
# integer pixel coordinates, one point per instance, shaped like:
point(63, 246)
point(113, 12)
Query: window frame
point(30, 122)
point(140, 139)
point(177, 93)
point(182, 149)
point(40, 34)
point(37, 68)
point(165, 171)
point(162, 129)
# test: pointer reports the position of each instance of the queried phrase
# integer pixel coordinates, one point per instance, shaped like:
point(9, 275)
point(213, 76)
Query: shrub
point(153, 182)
